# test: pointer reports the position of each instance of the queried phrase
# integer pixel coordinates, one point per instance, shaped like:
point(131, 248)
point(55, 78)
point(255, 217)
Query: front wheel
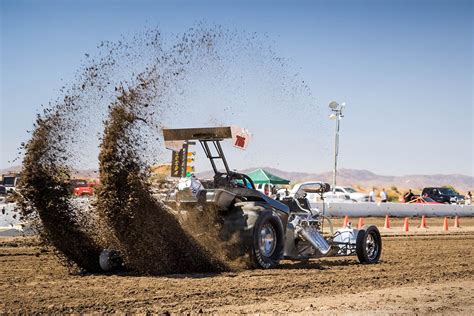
point(267, 241)
point(369, 244)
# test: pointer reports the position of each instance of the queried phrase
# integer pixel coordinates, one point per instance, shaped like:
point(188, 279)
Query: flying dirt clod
point(151, 239)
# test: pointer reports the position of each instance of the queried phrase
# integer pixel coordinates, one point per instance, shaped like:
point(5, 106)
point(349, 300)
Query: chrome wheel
point(267, 240)
point(371, 247)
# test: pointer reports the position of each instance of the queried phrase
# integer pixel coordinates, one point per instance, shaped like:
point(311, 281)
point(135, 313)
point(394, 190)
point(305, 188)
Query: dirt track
point(417, 274)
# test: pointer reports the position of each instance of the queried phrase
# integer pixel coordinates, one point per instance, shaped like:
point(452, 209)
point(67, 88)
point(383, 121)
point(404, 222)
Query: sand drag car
point(269, 230)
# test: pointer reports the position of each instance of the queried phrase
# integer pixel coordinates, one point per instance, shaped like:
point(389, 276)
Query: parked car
point(351, 192)
point(10, 181)
point(443, 195)
point(80, 187)
point(338, 197)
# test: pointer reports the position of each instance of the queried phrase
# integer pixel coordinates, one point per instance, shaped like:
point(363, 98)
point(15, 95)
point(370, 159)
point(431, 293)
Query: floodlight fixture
point(333, 105)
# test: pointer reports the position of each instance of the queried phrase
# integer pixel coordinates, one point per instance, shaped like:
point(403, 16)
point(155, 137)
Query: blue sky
point(404, 68)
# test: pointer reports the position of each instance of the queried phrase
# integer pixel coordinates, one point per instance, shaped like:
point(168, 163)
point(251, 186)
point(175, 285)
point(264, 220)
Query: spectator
point(469, 198)
point(372, 195)
point(383, 196)
point(408, 196)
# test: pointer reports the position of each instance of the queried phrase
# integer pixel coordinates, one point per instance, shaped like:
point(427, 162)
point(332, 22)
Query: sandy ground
point(418, 273)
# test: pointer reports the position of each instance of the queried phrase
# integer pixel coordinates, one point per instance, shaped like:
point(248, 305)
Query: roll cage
point(209, 138)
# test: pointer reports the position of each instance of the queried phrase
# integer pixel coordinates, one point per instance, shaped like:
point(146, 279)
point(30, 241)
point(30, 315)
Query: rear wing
point(178, 140)
point(177, 137)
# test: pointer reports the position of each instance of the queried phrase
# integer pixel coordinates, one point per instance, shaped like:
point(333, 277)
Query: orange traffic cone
point(423, 222)
point(445, 223)
point(345, 222)
point(405, 224)
point(361, 223)
point(456, 222)
point(387, 222)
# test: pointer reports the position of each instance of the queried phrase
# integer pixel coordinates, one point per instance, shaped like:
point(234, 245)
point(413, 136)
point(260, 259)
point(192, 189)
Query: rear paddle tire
point(369, 245)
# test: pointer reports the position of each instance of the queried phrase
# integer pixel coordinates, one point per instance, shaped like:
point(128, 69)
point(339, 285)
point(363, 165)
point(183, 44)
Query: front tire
point(110, 260)
point(369, 245)
point(267, 243)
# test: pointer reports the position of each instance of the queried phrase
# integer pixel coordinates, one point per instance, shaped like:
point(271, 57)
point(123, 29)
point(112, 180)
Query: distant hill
point(84, 173)
point(11, 169)
point(360, 178)
point(367, 179)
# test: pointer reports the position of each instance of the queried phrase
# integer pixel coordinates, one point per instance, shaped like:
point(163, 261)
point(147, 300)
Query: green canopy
point(263, 176)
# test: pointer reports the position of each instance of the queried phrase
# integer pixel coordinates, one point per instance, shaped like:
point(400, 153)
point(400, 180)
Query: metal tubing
point(207, 150)
point(314, 238)
point(336, 153)
point(221, 153)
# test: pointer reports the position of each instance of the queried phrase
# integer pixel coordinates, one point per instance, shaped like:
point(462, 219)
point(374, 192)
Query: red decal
point(240, 141)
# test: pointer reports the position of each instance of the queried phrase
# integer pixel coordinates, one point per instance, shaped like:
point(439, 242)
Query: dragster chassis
point(289, 231)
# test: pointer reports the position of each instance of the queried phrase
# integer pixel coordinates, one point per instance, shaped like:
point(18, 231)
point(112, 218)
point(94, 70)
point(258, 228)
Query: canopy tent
point(263, 176)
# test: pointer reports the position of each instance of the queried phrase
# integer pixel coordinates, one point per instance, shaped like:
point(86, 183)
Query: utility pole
point(336, 115)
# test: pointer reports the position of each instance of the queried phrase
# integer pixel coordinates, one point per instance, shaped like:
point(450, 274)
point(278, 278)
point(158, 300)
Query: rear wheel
point(267, 243)
point(369, 244)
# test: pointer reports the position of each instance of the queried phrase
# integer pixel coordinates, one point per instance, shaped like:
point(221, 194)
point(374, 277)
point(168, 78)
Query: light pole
point(336, 115)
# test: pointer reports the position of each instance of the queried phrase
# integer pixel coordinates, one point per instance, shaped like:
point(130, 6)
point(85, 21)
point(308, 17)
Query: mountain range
point(367, 179)
point(353, 177)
